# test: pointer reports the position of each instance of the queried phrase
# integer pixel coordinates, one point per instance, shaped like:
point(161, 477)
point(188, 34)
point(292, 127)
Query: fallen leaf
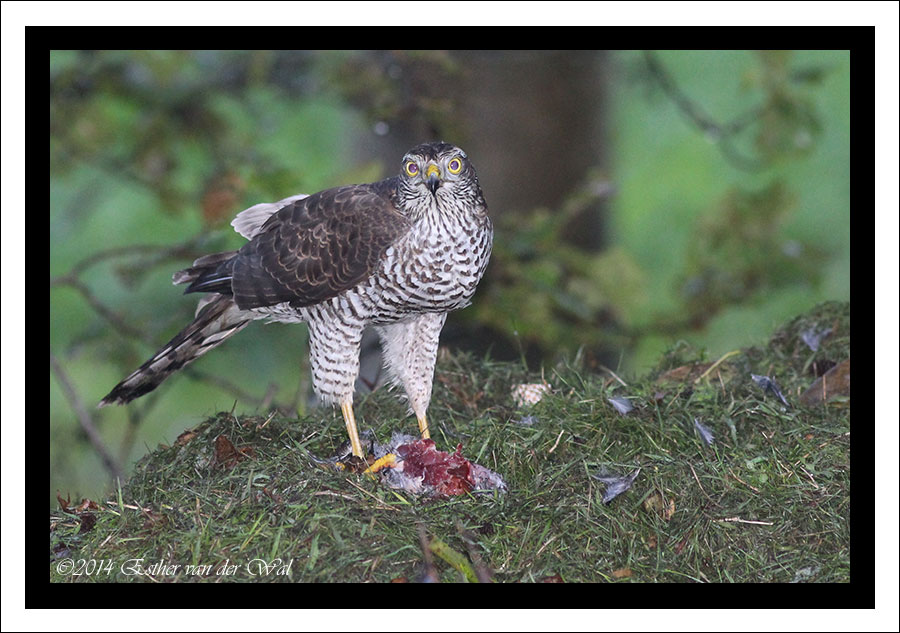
point(63, 503)
point(277, 498)
point(226, 453)
point(684, 373)
point(834, 382)
point(658, 506)
point(820, 367)
point(487, 529)
point(553, 578)
point(227, 456)
point(153, 519)
point(85, 505)
point(61, 550)
point(66, 504)
point(185, 437)
point(88, 521)
point(625, 572)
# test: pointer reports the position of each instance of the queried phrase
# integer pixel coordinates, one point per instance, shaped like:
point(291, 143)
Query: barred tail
point(215, 322)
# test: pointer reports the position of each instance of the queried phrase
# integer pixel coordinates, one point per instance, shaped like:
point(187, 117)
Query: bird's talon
point(388, 461)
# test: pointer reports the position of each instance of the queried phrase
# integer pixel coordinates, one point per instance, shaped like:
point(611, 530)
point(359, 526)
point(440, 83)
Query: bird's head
point(436, 169)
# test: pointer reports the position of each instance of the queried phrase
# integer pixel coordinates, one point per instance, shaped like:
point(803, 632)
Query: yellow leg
point(423, 426)
point(350, 421)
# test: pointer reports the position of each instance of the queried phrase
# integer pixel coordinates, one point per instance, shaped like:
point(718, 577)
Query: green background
point(134, 157)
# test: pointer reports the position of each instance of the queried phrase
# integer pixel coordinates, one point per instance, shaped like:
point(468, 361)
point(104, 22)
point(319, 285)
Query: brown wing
point(312, 249)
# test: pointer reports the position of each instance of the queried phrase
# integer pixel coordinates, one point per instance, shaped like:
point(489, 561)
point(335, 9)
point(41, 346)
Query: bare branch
point(150, 256)
point(111, 317)
point(721, 134)
point(84, 418)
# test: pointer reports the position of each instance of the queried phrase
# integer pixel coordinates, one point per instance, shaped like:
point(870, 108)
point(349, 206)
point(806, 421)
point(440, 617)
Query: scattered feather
point(805, 574)
point(705, 433)
point(616, 485)
point(622, 405)
point(769, 385)
point(527, 420)
point(813, 336)
point(732, 429)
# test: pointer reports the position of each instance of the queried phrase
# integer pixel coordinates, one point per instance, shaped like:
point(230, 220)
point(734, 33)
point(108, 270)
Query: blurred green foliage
point(729, 206)
point(550, 293)
point(727, 197)
point(741, 225)
point(152, 154)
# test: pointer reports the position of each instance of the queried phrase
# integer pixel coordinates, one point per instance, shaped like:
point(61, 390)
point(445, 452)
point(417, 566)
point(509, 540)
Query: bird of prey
point(396, 255)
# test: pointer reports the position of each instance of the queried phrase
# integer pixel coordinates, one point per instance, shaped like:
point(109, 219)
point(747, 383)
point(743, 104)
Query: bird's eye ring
point(454, 166)
point(411, 168)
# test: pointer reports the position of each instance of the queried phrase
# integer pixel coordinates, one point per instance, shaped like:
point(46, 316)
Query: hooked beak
point(433, 178)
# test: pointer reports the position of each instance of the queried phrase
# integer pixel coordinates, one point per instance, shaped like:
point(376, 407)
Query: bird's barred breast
point(435, 272)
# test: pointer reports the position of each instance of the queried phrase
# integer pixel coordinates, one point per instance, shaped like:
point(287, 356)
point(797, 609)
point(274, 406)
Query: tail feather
point(215, 323)
point(211, 273)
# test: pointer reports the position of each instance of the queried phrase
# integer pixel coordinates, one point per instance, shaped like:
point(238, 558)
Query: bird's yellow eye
point(411, 168)
point(454, 166)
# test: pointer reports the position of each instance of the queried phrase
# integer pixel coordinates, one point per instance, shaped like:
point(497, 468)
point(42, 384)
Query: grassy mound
point(766, 500)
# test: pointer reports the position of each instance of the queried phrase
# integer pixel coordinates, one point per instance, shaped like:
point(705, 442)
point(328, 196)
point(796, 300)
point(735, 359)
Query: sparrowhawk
point(397, 255)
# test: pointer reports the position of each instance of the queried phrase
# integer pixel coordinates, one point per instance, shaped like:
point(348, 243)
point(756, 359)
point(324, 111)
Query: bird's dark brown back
point(313, 249)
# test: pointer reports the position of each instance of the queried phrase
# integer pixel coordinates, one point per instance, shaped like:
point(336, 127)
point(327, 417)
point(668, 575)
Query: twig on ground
point(555, 444)
point(756, 490)
point(740, 520)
